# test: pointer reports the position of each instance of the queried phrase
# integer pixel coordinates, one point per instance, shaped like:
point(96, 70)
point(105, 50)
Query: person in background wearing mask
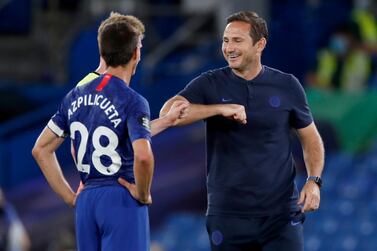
point(13, 236)
point(343, 65)
point(364, 17)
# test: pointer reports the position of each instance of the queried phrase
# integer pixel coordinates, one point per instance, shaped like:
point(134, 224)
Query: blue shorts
point(269, 233)
point(109, 218)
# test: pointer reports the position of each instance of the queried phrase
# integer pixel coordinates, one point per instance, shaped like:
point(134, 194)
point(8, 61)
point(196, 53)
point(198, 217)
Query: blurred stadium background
point(46, 46)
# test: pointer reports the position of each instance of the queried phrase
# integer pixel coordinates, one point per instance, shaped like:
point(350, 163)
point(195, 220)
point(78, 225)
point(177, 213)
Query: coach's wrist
point(316, 179)
point(219, 109)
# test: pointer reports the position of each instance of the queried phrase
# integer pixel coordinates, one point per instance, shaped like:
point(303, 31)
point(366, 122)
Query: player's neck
point(249, 73)
point(101, 69)
point(121, 72)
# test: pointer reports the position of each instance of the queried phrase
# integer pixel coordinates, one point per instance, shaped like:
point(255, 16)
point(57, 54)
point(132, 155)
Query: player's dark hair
point(258, 26)
point(117, 43)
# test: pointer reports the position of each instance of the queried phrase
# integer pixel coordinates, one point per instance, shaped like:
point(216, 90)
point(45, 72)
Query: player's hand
point(235, 112)
point(72, 202)
point(133, 191)
point(309, 197)
point(80, 188)
point(78, 191)
point(177, 111)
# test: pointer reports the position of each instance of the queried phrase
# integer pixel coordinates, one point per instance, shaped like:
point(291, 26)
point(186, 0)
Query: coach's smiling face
point(238, 47)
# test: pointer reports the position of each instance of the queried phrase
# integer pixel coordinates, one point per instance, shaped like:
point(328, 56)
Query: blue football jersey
point(103, 118)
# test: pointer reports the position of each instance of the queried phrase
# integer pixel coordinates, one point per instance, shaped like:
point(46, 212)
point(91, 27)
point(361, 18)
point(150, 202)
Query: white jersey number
point(100, 150)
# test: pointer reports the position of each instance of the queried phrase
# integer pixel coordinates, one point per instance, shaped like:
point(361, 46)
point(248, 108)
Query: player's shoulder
point(133, 96)
point(88, 78)
point(137, 96)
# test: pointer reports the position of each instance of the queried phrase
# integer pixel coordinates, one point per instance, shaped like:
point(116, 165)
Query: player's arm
point(198, 112)
point(143, 169)
point(139, 133)
point(178, 110)
point(313, 150)
point(143, 172)
point(44, 154)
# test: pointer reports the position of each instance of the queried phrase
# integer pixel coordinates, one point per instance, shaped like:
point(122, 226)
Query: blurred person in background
point(13, 236)
point(343, 65)
point(249, 110)
point(108, 123)
point(364, 16)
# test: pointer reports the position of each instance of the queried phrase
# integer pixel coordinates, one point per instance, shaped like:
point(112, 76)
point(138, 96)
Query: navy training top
point(250, 169)
point(103, 118)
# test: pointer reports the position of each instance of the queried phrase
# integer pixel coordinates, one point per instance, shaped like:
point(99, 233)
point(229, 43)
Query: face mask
point(339, 45)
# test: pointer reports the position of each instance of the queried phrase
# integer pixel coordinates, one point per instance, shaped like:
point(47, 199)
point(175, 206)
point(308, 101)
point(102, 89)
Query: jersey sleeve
point(59, 122)
point(196, 91)
point(138, 121)
point(301, 115)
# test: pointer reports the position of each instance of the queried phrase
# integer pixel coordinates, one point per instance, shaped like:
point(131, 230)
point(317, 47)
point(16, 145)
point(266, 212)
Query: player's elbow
point(39, 152)
point(143, 155)
point(144, 158)
point(36, 152)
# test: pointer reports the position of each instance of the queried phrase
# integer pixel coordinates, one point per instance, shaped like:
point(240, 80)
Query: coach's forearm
point(313, 151)
point(314, 158)
point(195, 112)
point(51, 170)
point(198, 112)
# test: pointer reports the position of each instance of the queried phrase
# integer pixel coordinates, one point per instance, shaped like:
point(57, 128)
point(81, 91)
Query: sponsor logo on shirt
point(144, 122)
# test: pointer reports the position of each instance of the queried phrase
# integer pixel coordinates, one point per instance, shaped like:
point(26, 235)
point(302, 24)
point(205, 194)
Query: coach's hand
point(133, 191)
point(309, 197)
point(235, 112)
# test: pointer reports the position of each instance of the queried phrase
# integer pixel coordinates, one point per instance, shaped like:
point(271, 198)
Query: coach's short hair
point(258, 26)
point(118, 37)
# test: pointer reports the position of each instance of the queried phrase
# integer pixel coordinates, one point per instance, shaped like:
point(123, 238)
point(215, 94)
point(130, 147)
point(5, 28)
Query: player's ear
point(136, 54)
